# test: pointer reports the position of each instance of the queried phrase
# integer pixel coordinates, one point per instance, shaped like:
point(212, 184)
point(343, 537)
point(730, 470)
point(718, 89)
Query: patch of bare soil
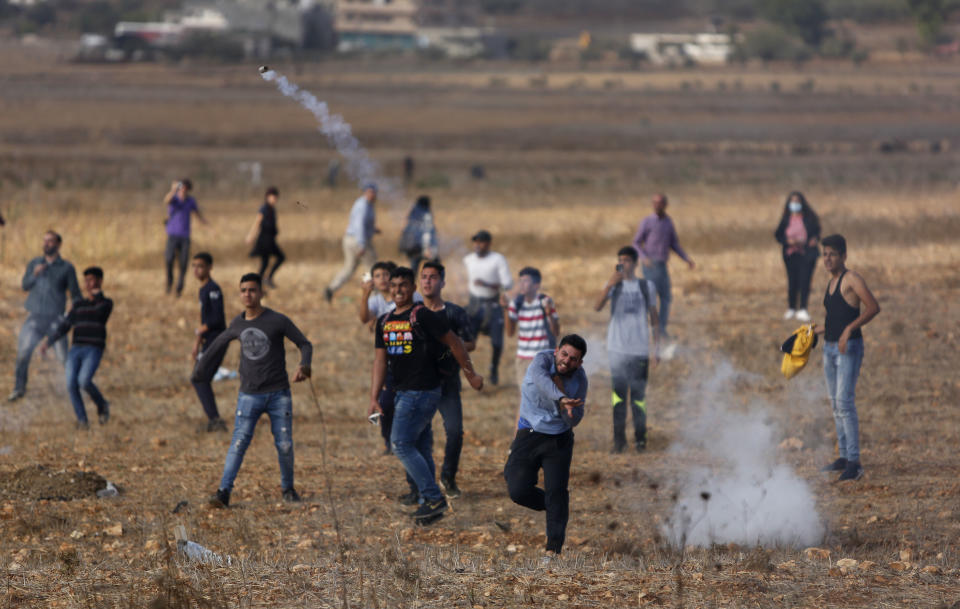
point(41, 482)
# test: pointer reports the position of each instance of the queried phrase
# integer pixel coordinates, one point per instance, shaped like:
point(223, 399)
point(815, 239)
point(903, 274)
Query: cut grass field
point(351, 543)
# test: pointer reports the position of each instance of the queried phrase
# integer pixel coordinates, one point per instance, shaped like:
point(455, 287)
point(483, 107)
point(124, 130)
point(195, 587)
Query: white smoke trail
point(359, 165)
point(741, 495)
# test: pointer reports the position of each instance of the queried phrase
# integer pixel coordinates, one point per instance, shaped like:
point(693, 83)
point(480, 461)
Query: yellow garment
point(794, 361)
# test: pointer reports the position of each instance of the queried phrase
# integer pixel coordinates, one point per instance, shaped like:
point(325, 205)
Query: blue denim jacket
point(539, 396)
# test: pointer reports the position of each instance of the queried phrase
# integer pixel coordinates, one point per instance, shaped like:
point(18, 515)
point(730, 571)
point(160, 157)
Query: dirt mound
point(42, 482)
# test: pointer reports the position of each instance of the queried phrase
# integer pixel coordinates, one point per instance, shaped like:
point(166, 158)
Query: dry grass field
point(571, 163)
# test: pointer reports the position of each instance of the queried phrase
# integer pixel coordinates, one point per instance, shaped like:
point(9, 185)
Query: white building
point(682, 49)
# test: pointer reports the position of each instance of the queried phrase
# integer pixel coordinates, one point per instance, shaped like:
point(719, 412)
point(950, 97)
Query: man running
point(180, 205)
point(628, 344)
point(411, 341)
point(533, 317)
point(47, 280)
point(551, 405)
point(655, 237)
point(212, 324)
point(264, 385)
point(432, 280)
point(88, 318)
point(358, 239)
point(487, 275)
point(263, 236)
point(843, 350)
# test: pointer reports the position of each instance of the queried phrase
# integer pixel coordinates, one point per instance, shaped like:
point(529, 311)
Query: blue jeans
point(412, 438)
point(31, 333)
point(658, 274)
point(82, 364)
point(279, 407)
point(841, 371)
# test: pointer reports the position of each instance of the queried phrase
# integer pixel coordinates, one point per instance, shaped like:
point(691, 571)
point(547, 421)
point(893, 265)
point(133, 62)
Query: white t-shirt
point(629, 329)
point(378, 305)
point(492, 268)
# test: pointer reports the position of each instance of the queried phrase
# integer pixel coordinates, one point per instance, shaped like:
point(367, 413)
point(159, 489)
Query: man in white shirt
point(488, 276)
point(358, 239)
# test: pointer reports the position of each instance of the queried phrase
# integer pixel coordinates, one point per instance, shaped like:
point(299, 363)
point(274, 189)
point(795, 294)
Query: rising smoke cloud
point(740, 494)
point(358, 163)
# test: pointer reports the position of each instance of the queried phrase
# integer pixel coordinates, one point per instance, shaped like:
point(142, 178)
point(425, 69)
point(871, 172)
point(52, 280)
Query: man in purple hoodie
point(655, 237)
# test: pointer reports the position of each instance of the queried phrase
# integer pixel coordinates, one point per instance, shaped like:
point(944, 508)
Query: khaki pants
point(351, 260)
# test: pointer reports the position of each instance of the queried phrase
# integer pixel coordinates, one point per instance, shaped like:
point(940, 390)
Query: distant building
point(375, 25)
point(454, 42)
point(683, 49)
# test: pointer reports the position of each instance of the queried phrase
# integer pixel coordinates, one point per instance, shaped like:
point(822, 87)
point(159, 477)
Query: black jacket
point(811, 223)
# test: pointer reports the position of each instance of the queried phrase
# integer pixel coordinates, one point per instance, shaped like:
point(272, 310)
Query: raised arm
point(30, 275)
point(506, 280)
point(171, 193)
point(604, 295)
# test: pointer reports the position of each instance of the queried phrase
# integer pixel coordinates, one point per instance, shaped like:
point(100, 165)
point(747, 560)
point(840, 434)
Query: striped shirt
point(88, 318)
point(533, 331)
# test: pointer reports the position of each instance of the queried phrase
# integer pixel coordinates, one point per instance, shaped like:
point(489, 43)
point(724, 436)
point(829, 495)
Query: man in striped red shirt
point(533, 317)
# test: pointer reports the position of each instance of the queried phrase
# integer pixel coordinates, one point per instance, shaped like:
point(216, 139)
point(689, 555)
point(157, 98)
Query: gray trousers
point(31, 333)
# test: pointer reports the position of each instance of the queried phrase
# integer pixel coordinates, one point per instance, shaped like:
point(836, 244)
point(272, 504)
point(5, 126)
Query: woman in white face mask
point(799, 235)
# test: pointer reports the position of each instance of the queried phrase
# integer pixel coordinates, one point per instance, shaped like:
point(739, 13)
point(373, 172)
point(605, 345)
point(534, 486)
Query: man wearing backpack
point(411, 340)
point(628, 343)
point(533, 317)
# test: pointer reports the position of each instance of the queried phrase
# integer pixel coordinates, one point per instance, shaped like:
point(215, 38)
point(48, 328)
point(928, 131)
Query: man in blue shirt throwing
point(358, 239)
point(552, 396)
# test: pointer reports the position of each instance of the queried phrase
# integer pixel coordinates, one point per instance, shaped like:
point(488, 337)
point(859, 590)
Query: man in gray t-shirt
point(628, 345)
point(264, 386)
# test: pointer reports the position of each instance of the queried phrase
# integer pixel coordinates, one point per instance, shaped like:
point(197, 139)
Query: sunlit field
point(571, 165)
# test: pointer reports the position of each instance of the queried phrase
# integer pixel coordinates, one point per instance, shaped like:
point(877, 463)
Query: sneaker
point(411, 498)
point(790, 314)
point(641, 445)
point(104, 415)
point(217, 424)
point(220, 499)
point(837, 466)
point(494, 377)
point(429, 509)
point(547, 559)
point(853, 471)
point(803, 316)
point(16, 395)
point(82, 426)
point(450, 487)
point(425, 522)
point(290, 495)
point(328, 294)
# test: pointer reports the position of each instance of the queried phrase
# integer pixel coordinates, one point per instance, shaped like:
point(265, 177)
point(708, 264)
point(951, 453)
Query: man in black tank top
point(843, 350)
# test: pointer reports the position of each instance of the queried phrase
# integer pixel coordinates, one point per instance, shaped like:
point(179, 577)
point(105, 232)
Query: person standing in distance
point(411, 340)
point(843, 350)
point(47, 281)
point(264, 385)
point(418, 241)
point(358, 239)
point(799, 234)
point(212, 324)
point(88, 318)
point(628, 343)
point(432, 281)
point(655, 237)
point(180, 205)
point(488, 274)
point(552, 401)
point(263, 236)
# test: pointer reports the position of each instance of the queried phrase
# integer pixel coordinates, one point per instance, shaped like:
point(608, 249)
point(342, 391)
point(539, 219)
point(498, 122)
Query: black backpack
point(518, 304)
point(644, 286)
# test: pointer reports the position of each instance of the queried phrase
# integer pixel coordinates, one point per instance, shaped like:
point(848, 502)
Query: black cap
point(482, 235)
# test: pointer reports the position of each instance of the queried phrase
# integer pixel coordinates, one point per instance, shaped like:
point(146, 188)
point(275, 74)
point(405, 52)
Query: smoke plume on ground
point(738, 492)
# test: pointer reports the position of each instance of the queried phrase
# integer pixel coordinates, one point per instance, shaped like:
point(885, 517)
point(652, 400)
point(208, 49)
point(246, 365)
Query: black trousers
point(800, 269)
point(265, 251)
point(177, 250)
point(629, 387)
point(205, 390)
point(530, 452)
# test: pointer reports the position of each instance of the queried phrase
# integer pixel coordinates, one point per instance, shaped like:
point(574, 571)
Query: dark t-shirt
point(268, 226)
point(460, 324)
point(263, 366)
point(211, 311)
point(412, 352)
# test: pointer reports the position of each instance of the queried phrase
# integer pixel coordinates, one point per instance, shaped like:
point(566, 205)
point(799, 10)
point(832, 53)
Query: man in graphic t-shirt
point(533, 317)
point(628, 343)
point(264, 386)
point(411, 340)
